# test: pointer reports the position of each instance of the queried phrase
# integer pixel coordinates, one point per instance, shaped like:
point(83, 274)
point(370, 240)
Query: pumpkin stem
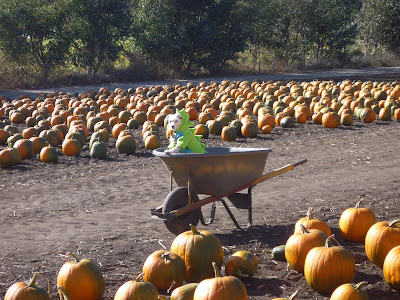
point(310, 212)
point(395, 223)
point(358, 205)
point(32, 282)
point(34, 277)
point(139, 277)
point(194, 229)
point(173, 285)
point(63, 294)
point(304, 229)
point(165, 256)
point(216, 271)
point(329, 240)
point(294, 295)
point(73, 256)
point(360, 284)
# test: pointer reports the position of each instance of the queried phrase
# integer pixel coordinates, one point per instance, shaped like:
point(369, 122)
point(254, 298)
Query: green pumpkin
point(133, 123)
point(12, 139)
point(98, 149)
point(126, 145)
point(278, 252)
point(287, 122)
point(99, 135)
point(237, 124)
point(229, 133)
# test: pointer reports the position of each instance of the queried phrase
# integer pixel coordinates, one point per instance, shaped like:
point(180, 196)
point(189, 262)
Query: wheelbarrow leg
point(212, 215)
point(231, 214)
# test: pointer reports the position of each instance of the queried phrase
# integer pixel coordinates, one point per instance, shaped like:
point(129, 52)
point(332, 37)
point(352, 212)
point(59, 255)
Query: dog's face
point(174, 121)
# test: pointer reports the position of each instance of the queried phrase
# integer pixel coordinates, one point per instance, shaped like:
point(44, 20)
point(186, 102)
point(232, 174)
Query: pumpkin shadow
point(263, 286)
point(383, 123)
point(370, 278)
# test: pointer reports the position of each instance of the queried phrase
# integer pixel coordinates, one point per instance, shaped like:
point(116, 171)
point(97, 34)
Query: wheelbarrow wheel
point(176, 199)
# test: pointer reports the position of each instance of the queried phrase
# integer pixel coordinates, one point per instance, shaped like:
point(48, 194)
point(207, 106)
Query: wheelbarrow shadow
point(265, 236)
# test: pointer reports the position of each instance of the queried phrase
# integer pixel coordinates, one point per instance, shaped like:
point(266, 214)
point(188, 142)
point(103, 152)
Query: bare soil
point(100, 209)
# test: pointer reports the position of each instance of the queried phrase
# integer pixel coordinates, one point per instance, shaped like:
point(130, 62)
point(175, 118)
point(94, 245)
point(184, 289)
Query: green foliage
point(188, 35)
point(97, 27)
point(34, 30)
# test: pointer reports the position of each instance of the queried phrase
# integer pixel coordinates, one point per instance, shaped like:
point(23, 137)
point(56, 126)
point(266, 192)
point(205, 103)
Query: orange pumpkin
point(134, 289)
point(198, 249)
point(291, 297)
point(391, 268)
point(367, 115)
point(185, 292)
point(81, 279)
point(25, 148)
point(264, 120)
point(350, 291)
point(241, 263)
point(299, 244)
point(163, 269)
point(249, 130)
point(223, 288)
point(71, 147)
point(38, 144)
point(48, 154)
point(317, 118)
point(327, 267)
point(228, 133)
point(152, 141)
point(354, 223)
point(380, 239)
point(7, 158)
point(310, 222)
point(23, 290)
point(331, 120)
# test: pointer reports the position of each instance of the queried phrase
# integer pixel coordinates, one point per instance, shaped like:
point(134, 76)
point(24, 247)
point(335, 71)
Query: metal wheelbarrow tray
point(219, 173)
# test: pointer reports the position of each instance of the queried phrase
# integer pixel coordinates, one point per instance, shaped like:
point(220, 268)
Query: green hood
point(185, 123)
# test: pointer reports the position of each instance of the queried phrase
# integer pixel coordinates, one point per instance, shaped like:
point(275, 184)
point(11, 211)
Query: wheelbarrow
point(222, 172)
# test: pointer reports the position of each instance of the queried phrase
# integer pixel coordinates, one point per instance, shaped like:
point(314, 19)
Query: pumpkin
point(380, 239)
point(385, 114)
point(299, 244)
point(26, 291)
point(291, 297)
point(215, 126)
point(97, 136)
point(81, 279)
point(184, 292)
point(71, 147)
point(331, 119)
point(98, 149)
point(198, 249)
point(287, 122)
point(126, 145)
point(27, 133)
point(152, 142)
point(278, 252)
point(48, 154)
point(249, 130)
point(164, 269)
point(118, 128)
point(17, 117)
point(202, 130)
point(397, 114)
point(301, 117)
point(327, 267)
point(4, 135)
point(222, 288)
point(51, 137)
point(13, 139)
point(77, 136)
point(25, 148)
point(391, 268)
point(7, 158)
point(350, 291)
point(237, 124)
point(266, 120)
point(367, 115)
point(133, 123)
point(241, 263)
point(317, 118)
point(228, 133)
point(16, 155)
point(102, 124)
point(310, 222)
point(354, 223)
point(346, 120)
point(136, 290)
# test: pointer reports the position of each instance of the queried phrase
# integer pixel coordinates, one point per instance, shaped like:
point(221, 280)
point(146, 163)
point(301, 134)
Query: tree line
point(189, 36)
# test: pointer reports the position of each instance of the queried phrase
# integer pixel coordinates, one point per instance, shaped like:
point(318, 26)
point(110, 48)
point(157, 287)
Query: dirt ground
point(100, 209)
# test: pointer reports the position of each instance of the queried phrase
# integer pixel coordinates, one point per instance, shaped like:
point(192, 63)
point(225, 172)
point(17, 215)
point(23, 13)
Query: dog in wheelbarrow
point(183, 139)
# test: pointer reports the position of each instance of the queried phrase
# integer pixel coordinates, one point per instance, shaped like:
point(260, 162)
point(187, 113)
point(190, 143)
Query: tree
point(189, 35)
point(35, 31)
point(98, 27)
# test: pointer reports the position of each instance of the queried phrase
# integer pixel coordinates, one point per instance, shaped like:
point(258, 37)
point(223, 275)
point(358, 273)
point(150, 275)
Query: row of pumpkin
point(229, 109)
point(196, 256)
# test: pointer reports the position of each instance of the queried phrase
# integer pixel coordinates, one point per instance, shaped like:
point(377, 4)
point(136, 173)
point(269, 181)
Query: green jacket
point(185, 138)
